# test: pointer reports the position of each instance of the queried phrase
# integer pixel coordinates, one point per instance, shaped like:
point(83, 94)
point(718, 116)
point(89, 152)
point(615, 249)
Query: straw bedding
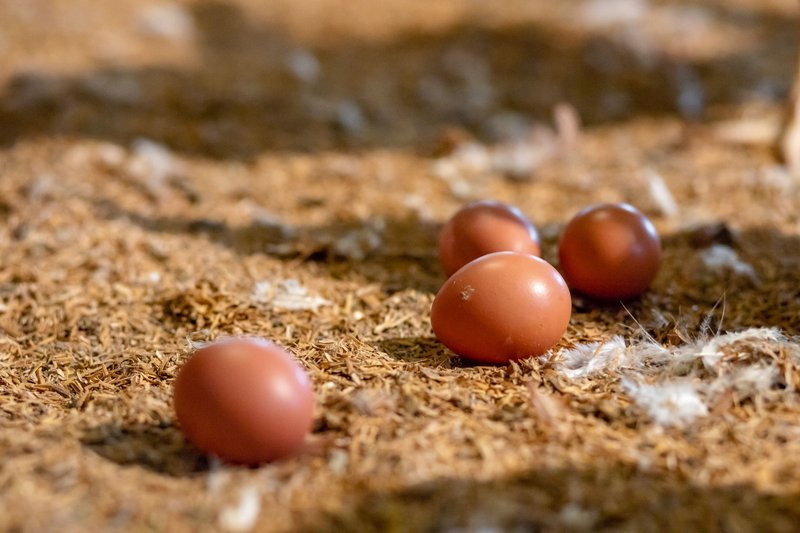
point(171, 174)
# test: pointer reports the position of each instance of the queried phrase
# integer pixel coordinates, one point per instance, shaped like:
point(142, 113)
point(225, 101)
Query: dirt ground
point(174, 173)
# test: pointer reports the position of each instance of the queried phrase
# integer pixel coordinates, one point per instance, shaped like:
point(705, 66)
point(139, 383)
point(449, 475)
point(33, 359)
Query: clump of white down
point(675, 394)
point(592, 358)
point(672, 403)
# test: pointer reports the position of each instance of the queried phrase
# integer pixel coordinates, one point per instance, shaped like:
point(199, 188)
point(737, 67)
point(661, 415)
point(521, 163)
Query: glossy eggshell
point(502, 306)
point(244, 400)
point(610, 252)
point(482, 228)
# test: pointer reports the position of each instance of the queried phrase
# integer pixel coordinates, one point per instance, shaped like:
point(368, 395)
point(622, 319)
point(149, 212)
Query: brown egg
point(244, 400)
point(502, 306)
point(610, 252)
point(482, 228)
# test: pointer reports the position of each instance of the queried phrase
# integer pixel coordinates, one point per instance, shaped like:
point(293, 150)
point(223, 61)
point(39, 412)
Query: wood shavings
point(749, 130)
point(568, 126)
point(470, 157)
point(266, 170)
point(660, 194)
point(338, 461)
point(516, 158)
point(287, 294)
point(242, 516)
point(218, 476)
point(166, 21)
point(114, 87)
point(704, 235)
point(600, 13)
point(777, 177)
point(520, 159)
point(575, 516)
point(151, 161)
point(790, 136)
point(358, 243)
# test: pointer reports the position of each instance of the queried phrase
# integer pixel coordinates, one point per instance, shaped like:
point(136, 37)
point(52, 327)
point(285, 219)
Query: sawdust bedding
point(119, 255)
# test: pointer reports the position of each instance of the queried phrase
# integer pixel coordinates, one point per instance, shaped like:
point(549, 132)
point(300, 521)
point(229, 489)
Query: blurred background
point(233, 79)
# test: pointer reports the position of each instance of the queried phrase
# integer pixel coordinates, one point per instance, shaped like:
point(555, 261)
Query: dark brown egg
point(482, 228)
point(244, 400)
point(502, 306)
point(610, 252)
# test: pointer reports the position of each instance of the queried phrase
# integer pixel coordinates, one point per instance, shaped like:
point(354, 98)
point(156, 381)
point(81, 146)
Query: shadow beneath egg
point(424, 350)
point(581, 302)
point(427, 351)
point(160, 448)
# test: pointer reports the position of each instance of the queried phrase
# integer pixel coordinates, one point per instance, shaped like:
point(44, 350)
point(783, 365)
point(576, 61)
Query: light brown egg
point(244, 400)
point(610, 252)
point(502, 306)
point(482, 228)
